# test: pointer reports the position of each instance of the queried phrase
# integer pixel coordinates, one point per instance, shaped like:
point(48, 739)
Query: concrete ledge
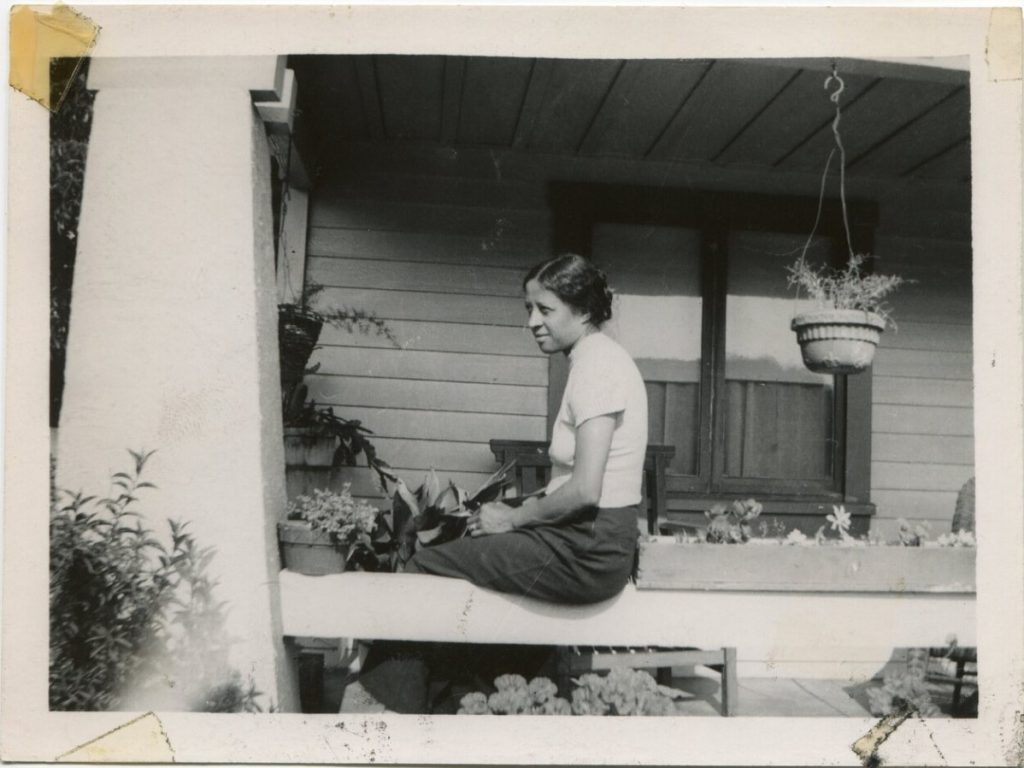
point(431, 608)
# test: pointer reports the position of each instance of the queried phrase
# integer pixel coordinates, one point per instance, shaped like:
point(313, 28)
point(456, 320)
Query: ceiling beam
point(369, 94)
point(669, 133)
point(901, 128)
point(451, 101)
point(617, 89)
point(533, 100)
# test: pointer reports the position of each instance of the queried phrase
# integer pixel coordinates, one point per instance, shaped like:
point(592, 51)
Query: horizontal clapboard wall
point(923, 416)
point(445, 275)
point(436, 243)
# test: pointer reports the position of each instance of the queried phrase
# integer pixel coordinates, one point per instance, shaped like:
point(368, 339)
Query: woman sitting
point(577, 542)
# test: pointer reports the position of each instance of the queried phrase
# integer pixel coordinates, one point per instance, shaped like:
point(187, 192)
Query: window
point(704, 308)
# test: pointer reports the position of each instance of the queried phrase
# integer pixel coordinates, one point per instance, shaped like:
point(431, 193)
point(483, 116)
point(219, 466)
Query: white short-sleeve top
point(603, 379)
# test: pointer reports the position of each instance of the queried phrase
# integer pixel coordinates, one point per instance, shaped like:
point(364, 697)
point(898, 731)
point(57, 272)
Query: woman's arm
point(581, 490)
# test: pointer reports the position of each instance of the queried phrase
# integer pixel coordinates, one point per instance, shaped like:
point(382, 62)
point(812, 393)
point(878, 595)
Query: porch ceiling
point(899, 121)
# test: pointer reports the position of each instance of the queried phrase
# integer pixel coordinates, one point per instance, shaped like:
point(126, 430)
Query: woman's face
point(556, 326)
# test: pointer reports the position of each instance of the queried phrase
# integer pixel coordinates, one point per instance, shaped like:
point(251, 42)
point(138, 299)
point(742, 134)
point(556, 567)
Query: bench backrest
point(533, 468)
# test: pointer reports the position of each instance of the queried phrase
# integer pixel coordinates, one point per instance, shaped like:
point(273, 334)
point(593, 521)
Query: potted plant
point(315, 436)
point(433, 514)
point(326, 530)
point(841, 335)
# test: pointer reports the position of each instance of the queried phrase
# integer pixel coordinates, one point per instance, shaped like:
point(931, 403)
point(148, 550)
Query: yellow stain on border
point(867, 745)
point(141, 740)
point(41, 34)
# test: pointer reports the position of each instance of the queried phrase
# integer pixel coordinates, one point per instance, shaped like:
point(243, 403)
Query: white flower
point(796, 536)
point(337, 514)
point(839, 519)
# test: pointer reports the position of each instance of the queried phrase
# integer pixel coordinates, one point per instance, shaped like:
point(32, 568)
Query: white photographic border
point(31, 733)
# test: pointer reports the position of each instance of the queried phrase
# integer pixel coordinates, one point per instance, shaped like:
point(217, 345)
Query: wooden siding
point(436, 243)
point(923, 415)
point(445, 277)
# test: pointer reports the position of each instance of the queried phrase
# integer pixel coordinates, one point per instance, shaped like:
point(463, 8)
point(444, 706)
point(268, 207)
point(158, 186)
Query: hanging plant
point(298, 329)
point(840, 337)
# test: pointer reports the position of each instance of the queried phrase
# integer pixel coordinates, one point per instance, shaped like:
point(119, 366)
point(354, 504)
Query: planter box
point(309, 553)
point(774, 567)
point(303, 447)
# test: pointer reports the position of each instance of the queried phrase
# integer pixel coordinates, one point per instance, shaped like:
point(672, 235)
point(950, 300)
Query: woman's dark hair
point(577, 282)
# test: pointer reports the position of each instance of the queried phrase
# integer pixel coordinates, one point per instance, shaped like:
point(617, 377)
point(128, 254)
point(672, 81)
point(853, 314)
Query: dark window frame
point(577, 207)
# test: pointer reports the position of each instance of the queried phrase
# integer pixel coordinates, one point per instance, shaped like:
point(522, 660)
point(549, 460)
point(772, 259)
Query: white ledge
point(431, 608)
point(263, 75)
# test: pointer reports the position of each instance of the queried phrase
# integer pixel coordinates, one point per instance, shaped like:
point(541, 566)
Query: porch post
point(173, 326)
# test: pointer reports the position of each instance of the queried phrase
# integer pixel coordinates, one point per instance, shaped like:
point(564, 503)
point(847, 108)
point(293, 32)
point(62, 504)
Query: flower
point(474, 704)
point(839, 519)
point(958, 539)
point(796, 536)
point(345, 519)
point(542, 690)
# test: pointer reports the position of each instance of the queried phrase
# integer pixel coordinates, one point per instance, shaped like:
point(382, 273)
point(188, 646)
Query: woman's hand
point(491, 518)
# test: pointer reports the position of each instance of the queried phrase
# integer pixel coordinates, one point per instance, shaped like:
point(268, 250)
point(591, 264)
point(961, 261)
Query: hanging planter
point(298, 329)
point(297, 333)
point(841, 335)
point(838, 341)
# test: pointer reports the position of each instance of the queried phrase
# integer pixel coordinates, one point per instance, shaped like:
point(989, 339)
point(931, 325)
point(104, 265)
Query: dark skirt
point(585, 561)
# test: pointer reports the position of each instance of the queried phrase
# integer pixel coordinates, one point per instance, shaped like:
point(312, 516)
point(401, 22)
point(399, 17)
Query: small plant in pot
point(841, 335)
point(315, 436)
point(326, 531)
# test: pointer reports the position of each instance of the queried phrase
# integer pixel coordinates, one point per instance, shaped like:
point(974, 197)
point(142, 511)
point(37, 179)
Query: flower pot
point(297, 334)
point(309, 552)
point(840, 341)
point(306, 447)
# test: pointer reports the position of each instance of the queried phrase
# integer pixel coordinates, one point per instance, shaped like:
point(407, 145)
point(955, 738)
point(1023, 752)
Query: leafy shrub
point(731, 525)
point(133, 623)
point(905, 690)
point(70, 128)
point(620, 692)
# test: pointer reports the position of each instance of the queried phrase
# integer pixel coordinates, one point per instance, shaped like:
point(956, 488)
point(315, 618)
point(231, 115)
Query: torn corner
point(38, 37)
point(1003, 44)
point(867, 745)
point(142, 740)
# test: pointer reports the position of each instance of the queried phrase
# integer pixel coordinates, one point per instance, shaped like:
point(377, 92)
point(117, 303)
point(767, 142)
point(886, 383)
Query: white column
point(172, 342)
